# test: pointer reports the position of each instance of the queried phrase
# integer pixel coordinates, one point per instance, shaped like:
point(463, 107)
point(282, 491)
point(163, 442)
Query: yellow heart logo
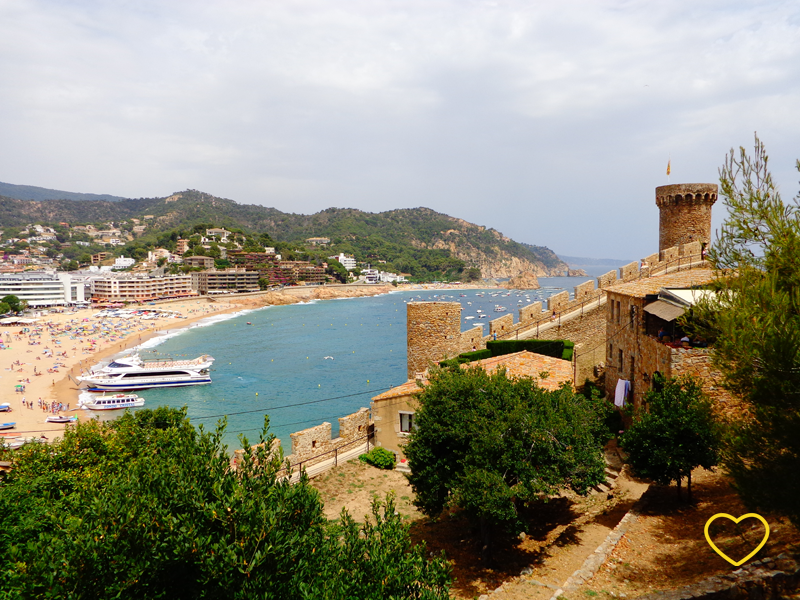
point(739, 520)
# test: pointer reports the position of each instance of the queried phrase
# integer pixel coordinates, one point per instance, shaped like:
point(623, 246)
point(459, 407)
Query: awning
point(664, 310)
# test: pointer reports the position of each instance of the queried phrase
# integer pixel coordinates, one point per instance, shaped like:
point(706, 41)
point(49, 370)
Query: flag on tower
point(669, 166)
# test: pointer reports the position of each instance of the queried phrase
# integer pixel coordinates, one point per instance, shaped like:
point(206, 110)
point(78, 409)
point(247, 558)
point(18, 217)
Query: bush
point(555, 348)
point(379, 457)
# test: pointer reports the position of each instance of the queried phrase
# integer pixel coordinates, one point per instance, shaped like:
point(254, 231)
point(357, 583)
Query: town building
point(393, 411)
point(218, 234)
point(205, 262)
point(100, 257)
point(348, 262)
point(123, 263)
point(228, 280)
point(318, 241)
point(181, 246)
point(125, 287)
point(42, 288)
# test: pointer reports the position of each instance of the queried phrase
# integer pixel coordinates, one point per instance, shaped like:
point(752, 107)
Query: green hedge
point(466, 357)
point(562, 349)
point(556, 348)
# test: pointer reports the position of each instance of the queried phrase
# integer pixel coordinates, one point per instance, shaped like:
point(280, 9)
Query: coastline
point(60, 388)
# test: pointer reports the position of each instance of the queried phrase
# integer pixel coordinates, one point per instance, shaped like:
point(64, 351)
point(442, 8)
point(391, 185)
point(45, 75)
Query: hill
point(411, 240)
point(31, 192)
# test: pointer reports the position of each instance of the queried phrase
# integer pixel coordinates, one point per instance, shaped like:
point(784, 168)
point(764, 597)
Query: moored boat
point(60, 419)
point(133, 373)
point(112, 402)
point(8, 425)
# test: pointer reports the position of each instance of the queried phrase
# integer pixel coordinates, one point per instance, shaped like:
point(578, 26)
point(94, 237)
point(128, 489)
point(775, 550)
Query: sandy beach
point(41, 356)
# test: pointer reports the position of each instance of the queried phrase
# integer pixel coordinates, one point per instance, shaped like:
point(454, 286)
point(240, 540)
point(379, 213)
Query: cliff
point(525, 281)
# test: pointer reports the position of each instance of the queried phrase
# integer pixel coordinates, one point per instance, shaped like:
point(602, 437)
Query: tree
point(337, 270)
point(13, 302)
point(754, 320)
point(147, 507)
point(488, 444)
point(675, 436)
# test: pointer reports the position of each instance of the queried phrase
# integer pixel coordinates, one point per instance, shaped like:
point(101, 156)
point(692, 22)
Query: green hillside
point(419, 241)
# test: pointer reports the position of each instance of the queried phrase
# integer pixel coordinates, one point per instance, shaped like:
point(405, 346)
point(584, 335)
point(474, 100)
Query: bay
point(303, 364)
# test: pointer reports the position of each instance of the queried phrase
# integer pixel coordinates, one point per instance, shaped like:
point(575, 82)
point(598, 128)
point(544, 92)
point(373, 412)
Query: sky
point(552, 122)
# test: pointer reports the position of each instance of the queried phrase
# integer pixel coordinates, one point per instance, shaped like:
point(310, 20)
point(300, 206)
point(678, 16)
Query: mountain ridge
point(400, 236)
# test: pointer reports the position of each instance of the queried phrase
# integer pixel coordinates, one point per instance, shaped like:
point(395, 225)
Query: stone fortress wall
point(434, 329)
point(685, 213)
point(315, 443)
point(434, 333)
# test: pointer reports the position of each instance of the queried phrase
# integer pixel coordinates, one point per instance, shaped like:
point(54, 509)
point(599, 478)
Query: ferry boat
point(133, 373)
point(112, 402)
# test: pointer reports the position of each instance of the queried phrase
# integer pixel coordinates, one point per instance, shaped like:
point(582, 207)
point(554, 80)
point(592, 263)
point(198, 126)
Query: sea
point(306, 363)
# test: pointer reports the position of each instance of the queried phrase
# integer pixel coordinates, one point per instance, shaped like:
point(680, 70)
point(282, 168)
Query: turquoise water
point(278, 365)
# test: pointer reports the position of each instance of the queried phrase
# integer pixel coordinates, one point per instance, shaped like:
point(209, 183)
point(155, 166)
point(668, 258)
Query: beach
point(41, 356)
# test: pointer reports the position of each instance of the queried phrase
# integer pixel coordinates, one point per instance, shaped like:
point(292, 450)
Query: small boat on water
point(8, 425)
point(470, 317)
point(5, 407)
point(500, 309)
point(60, 419)
point(112, 402)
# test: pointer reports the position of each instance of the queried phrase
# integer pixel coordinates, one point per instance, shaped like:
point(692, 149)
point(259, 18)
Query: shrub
point(554, 348)
point(379, 457)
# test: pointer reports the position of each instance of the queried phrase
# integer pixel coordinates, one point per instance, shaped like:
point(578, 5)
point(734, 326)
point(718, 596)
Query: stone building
point(685, 213)
point(393, 411)
point(633, 319)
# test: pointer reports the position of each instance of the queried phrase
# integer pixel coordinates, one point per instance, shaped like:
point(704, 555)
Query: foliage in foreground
point(379, 457)
point(146, 507)
point(676, 435)
point(755, 322)
point(488, 444)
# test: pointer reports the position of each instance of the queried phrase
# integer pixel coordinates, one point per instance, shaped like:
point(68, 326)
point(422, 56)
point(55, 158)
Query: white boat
point(133, 373)
point(8, 425)
point(112, 402)
point(60, 419)
point(500, 309)
point(482, 316)
point(470, 317)
point(5, 407)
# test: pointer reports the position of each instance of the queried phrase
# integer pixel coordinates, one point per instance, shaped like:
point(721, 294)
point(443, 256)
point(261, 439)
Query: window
point(406, 422)
point(619, 360)
point(618, 312)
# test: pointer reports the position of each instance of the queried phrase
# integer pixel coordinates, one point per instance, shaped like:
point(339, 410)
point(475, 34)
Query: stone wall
point(670, 254)
point(606, 280)
point(685, 213)
point(434, 332)
point(765, 579)
point(310, 444)
point(691, 249)
point(696, 362)
point(584, 290)
point(557, 301)
point(588, 332)
point(530, 313)
point(501, 325)
point(629, 272)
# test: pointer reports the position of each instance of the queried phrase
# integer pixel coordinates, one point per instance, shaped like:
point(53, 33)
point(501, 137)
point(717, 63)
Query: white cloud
point(551, 122)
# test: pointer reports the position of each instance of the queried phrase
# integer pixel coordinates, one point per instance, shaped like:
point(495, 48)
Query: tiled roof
point(651, 285)
point(519, 364)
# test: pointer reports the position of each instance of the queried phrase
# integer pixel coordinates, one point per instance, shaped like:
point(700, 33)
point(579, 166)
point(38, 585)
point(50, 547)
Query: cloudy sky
point(549, 121)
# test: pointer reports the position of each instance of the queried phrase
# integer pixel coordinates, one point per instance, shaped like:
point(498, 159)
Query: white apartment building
point(123, 263)
point(42, 288)
point(348, 262)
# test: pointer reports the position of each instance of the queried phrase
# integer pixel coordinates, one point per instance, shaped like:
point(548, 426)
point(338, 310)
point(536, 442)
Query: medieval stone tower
point(685, 213)
point(434, 331)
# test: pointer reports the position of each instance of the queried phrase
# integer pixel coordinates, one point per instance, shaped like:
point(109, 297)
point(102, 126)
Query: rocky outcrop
point(524, 281)
point(576, 273)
